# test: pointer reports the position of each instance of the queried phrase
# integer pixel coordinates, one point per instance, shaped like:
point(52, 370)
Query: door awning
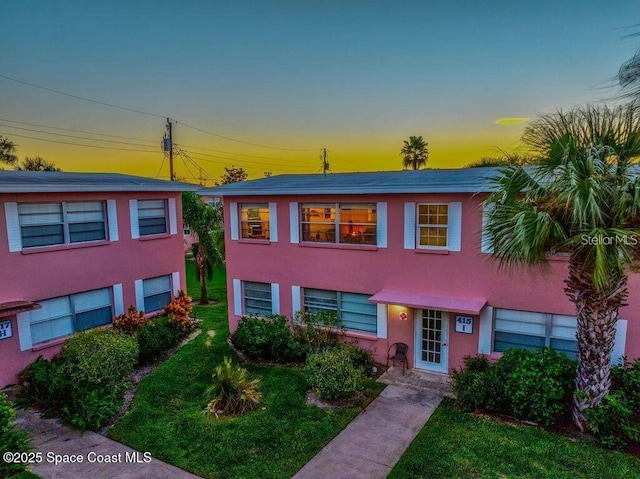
point(420, 300)
point(10, 308)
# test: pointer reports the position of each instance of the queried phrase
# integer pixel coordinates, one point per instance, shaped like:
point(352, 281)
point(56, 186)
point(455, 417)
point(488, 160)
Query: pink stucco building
point(400, 258)
point(76, 249)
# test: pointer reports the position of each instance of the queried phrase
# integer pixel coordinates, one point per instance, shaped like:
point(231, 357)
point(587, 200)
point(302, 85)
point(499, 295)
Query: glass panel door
point(431, 338)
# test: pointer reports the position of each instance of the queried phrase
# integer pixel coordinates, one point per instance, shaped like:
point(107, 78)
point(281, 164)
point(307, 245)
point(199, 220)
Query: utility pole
point(325, 164)
point(170, 130)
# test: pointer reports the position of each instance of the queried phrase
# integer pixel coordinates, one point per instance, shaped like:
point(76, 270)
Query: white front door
point(431, 340)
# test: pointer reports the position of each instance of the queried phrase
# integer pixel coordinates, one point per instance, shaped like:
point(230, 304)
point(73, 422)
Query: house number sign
point(464, 324)
point(5, 329)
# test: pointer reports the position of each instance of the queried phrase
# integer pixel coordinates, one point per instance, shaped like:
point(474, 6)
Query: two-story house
point(76, 249)
point(399, 257)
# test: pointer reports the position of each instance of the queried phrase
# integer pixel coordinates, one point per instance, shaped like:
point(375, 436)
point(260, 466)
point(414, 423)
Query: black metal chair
point(400, 355)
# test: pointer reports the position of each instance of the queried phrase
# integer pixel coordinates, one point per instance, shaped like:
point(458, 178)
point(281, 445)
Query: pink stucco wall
point(58, 271)
point(467, 273)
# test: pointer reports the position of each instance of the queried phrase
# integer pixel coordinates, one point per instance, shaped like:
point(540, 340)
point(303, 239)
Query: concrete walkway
point(56, 441)
point(373, 442)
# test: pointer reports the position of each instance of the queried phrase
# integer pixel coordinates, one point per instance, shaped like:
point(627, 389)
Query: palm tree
point(7, 150)
point(37, 163)
point(629, 76)
point(414, 152)
point(581, 196)
point(206, 222)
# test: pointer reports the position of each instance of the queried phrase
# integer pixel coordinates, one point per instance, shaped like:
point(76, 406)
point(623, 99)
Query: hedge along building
point(76, 249)
point(399, 257)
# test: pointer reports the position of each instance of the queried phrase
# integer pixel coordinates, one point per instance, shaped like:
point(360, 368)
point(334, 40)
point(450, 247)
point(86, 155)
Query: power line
point(252, 164)
point(277, 161)
point(232, 153)
point(78, 144)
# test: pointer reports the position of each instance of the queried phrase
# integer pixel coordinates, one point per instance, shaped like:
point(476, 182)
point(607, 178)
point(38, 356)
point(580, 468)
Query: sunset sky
point(354, 77)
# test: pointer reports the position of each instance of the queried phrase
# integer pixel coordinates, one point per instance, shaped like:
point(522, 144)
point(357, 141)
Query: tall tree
point(7, 150)
point(233, 175)
point(36, 163)
point(414, 153)
point(580, 196)
point(206, 222)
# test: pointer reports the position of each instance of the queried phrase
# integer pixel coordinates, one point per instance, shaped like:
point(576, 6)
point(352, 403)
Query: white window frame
point(144, 296)
point(339, 308)
point(429, 225)
point(243, 296)
point(336, 222)
point(167, 223)
point(251, 223)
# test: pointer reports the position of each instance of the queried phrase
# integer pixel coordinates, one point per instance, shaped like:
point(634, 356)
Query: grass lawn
point(456, 444)
point(165, 418)
point(216, 287)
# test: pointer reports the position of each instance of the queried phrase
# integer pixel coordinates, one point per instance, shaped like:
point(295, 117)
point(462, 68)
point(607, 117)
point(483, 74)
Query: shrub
point(44, 385)
point(156, 338)
point(232, 392)
point(266, 338)
point(12, 439)
point(131, 321)
point(317, 330)
point(616, 421)
point(331, 374)
point(361, 359)
point(179, 310)
point(469, 383)
point(91, 408)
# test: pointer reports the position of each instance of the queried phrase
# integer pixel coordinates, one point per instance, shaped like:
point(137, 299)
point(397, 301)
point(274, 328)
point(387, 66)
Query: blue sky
point(355, 77)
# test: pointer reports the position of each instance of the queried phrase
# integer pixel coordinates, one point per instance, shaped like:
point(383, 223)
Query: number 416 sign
point(464, 324)
point(5, 329)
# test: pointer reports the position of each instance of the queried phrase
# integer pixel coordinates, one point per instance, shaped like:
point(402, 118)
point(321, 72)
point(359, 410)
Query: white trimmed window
point(339, 223)
point(432, 225)
point(353, 310)
point(156, 292)
point(257, 298)
point(66, 315)
point(48, 224)
point(254, 221)
point(533, 330)
point(152, 217)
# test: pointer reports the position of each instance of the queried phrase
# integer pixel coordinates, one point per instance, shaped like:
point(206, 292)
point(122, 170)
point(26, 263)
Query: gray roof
point(462, 180)
point(54, 182)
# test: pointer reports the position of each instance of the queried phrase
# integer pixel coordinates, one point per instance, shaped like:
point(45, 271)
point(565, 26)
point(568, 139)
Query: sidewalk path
point(49, 436)
point(373, 442)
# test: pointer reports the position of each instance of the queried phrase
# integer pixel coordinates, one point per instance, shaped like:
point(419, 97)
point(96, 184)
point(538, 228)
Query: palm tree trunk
point(597, 315)
point(201, 260)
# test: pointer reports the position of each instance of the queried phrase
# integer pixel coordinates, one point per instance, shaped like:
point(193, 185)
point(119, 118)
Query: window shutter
point(112, 219)
point(295, 299)
point(485, 330)
point(237, 297)
point(381, 227)
point(139, 295)
point(619, 342)
point(382, 320)
point(173, 219)
point(133, 217)
point(273, 222)
point(454, 230)
point(409, 226)
point(275, 298)
point(294, 223)
point(24, 330)
point(233, 213)
point(13, 227)
point(175, 282)
point(118, 299)
point(485, 245)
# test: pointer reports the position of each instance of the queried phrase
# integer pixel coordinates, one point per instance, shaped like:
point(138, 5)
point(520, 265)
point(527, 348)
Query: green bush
point(317, 331)
point(616, 421)
point(532, 385)
point(156, 338)
point(232, 391)
point(44, 386)
point(332, 375)
point(267, 338)
point(12, 439)
point(361, 358)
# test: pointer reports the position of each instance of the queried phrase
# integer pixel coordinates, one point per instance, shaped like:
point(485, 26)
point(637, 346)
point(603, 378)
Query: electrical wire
point(78, 144)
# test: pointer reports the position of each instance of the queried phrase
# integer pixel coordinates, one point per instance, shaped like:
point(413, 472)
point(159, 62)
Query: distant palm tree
point(629, 77)
point(7, 150)
point(580, 196)
point(414, 152)
point(36, 163)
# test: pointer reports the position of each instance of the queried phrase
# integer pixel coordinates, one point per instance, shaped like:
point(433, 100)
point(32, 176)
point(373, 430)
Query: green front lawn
point(274, 442)
point(456, 444)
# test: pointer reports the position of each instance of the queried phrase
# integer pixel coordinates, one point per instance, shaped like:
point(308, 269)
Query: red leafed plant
point(179, 310)
point(130, 321)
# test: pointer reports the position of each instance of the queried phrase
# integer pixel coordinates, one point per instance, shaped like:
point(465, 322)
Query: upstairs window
point(152, 217)
point(339, 223)
point(254, 221)
point(47, 224)
point(433, 223)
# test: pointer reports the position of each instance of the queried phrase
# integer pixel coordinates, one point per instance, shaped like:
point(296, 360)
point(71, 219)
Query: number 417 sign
point(464, 324)
point(5, 329)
